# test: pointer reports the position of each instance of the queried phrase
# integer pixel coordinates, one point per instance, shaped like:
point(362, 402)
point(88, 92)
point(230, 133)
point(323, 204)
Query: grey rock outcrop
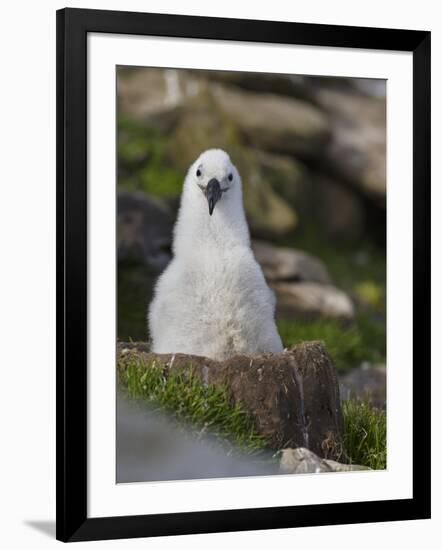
point(357, 150)
point(275, 123)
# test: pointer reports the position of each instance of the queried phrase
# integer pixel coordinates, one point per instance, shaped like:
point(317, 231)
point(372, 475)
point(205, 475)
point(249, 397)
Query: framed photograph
point(243, 274)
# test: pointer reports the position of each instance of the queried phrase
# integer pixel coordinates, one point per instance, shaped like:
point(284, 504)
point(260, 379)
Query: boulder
point(311, 300)
point(357, 150)
point(154, 95)
point(203, 126)
point(293, 397)
point(288, 264)
point(200, 126)
point(336, 209)
point(303, 461)
point(275, 123)
point(366, 383)
point(268, 215)
point(286, 175)
point(144, 232)
point(302, 284)
point(281, 84)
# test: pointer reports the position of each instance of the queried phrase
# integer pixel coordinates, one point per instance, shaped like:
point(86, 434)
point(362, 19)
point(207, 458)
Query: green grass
point(359, 268)
point(348, 346)
point(365, 434)
point(203, 409)
point(349, 262)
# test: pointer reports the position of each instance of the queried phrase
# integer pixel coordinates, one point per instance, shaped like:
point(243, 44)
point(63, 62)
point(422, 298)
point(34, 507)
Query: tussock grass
point(206, 410)
point(365, 434)
point(202, 409)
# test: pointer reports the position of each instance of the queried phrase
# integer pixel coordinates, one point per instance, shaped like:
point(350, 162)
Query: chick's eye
point(198, 173)
point(230, 177)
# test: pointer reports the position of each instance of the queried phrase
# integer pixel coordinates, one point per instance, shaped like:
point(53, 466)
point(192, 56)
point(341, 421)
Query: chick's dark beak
point(213, 193)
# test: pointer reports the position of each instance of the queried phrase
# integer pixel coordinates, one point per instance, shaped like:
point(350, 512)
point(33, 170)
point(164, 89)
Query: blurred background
point(311, 152)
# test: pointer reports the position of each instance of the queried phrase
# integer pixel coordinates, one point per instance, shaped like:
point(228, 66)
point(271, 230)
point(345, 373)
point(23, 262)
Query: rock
point(275, 123)
point(357, 150)
point(293, 396)
point(334, 208)
point(281, 84)
point(337, 210)
point(141, 91)
point(302, 284)
point(288, 264)
point(311, 300)
point(268, 215)
point(365, 383)
point(303, 461)
point(202, 126)
point(155, 95)
point(286, 175)
point(144, 230)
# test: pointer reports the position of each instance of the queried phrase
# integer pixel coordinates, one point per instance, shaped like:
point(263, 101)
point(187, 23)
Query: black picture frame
point(73, 25)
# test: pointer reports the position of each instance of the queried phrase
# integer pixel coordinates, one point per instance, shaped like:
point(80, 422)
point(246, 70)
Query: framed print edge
point(422, 274)
point(71, 280)
point(73, 523)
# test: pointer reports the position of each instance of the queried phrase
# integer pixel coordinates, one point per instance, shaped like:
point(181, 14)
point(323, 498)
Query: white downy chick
point(212, 299)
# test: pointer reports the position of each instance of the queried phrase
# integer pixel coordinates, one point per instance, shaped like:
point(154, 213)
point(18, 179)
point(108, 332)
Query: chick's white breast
point(213, 307)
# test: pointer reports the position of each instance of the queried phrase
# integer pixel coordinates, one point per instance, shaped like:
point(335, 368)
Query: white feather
point(212, 299)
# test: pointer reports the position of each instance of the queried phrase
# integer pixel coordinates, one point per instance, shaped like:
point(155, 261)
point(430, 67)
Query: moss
point(370, 293)
point(200, 408)
point(365, 434)
point(142, 162)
